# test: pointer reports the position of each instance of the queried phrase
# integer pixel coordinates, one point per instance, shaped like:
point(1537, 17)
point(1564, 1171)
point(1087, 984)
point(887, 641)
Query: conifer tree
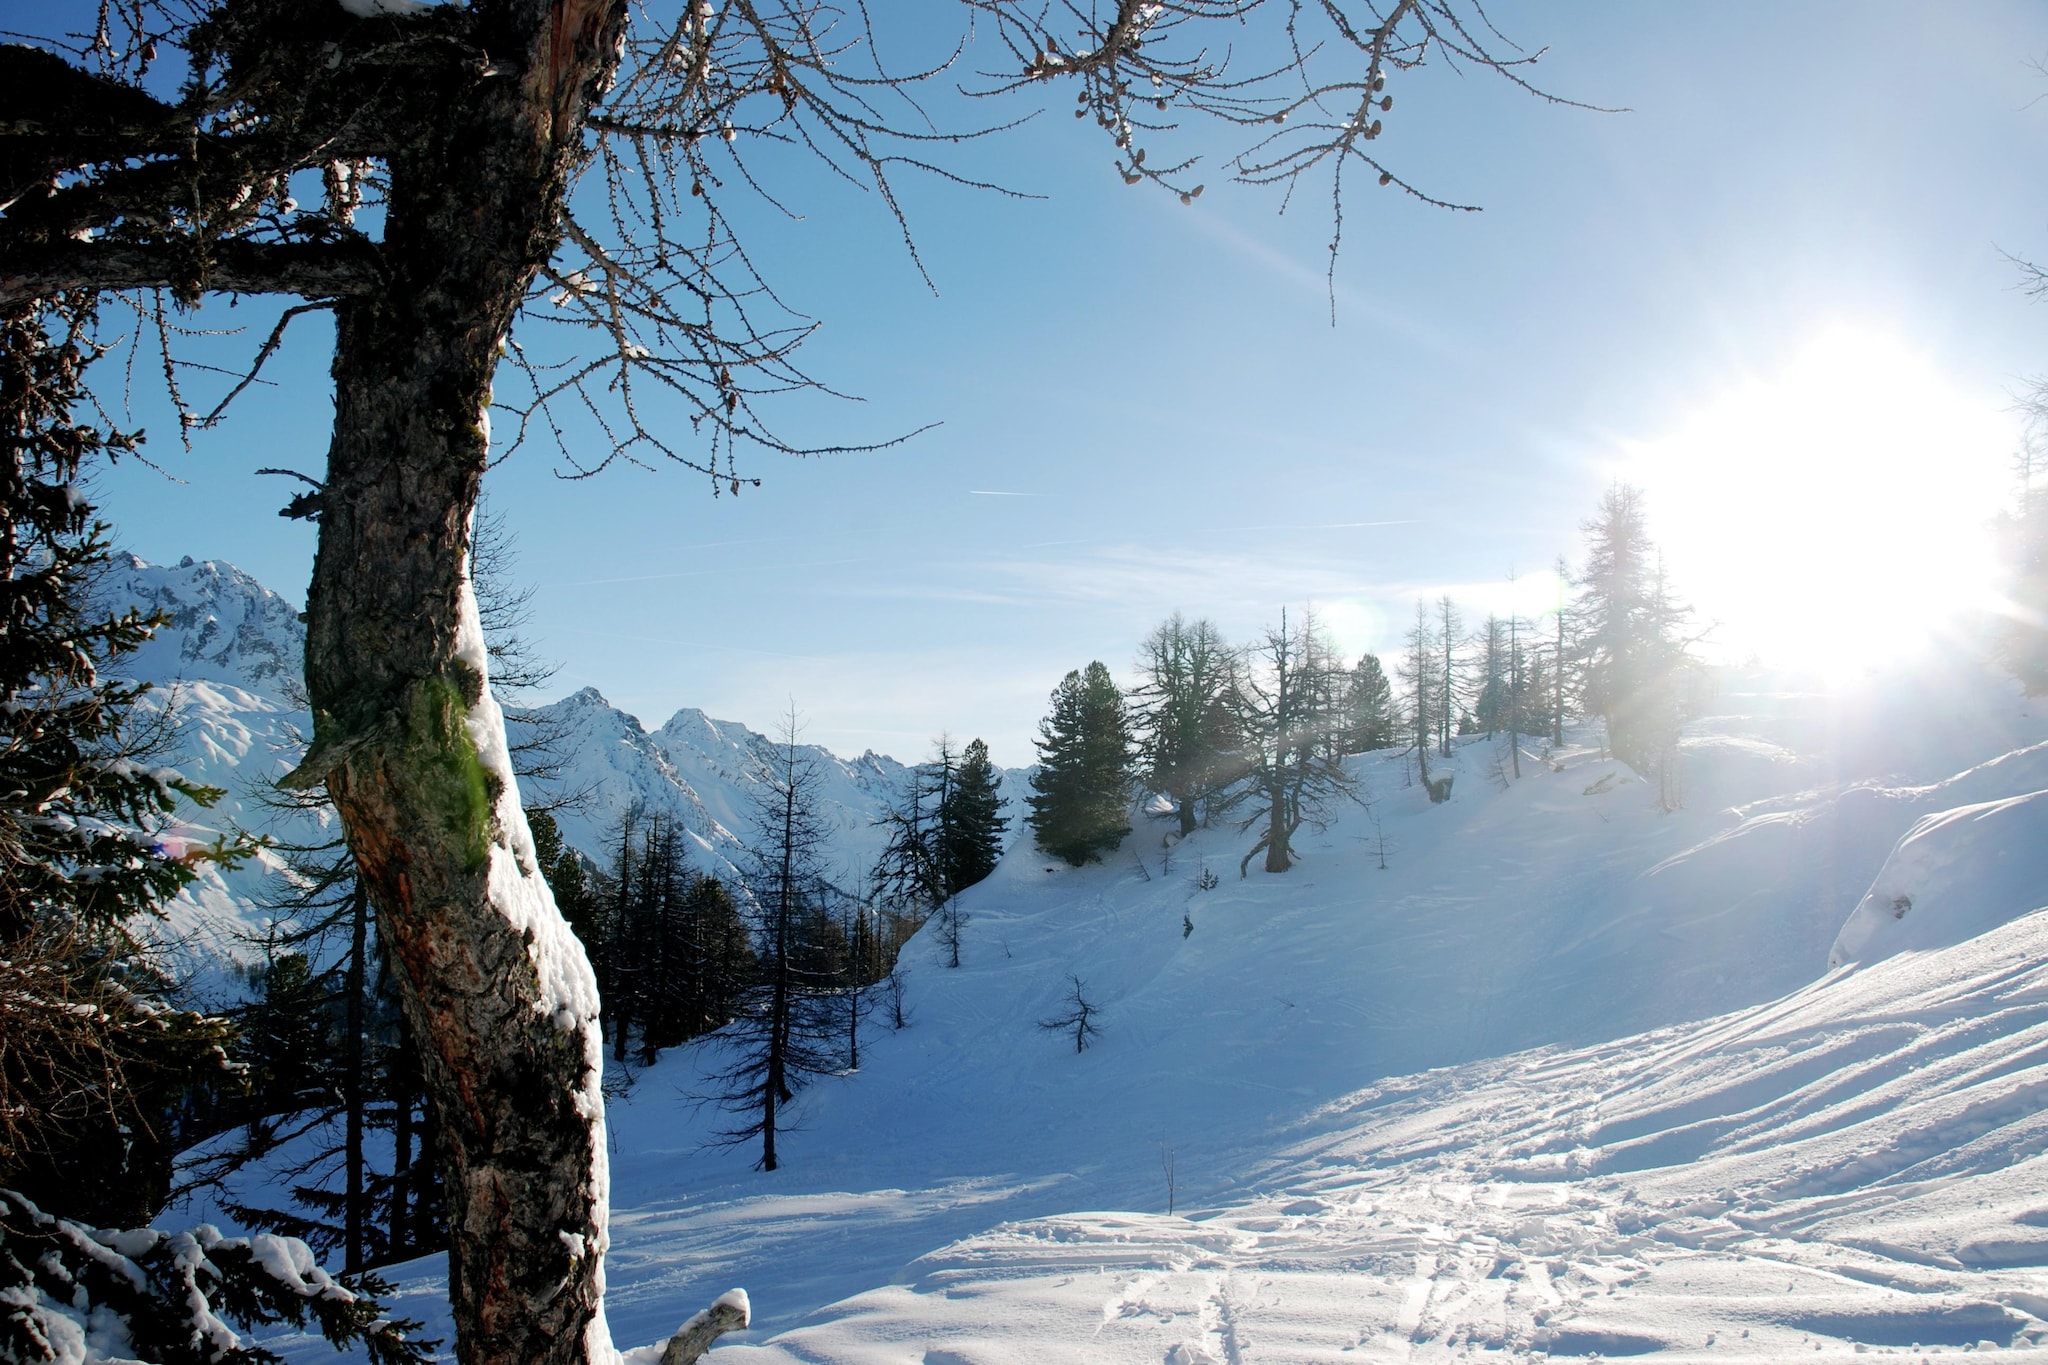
point(663, 943)
point(1560, 654)
point(100, 1073)
point(1369, 703)
point(971, 821)
point(1450, 678)
point(568, 876)
point(99, 1065)
point(1081, 793)
point(909, 878)
point(1419, 674)
point(1633, 659)
point(616, 966)
point(785, 1034)
point(1518, 679)
point(1491, 697)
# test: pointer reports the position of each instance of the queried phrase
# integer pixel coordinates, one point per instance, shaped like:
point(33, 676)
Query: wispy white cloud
point(1349, 301)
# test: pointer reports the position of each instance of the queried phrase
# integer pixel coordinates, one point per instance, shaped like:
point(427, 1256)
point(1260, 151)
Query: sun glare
point(1833, 515)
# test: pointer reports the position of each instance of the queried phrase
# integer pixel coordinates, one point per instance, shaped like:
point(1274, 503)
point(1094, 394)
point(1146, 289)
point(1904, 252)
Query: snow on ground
point(1774, 1158)
point(1856, 1166)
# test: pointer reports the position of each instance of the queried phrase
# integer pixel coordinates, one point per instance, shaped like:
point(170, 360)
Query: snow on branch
point(73, 1294)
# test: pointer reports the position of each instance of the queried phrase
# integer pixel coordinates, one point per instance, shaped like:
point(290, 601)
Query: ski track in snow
point(1571, 1078)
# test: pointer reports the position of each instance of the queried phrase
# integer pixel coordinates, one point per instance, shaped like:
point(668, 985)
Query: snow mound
point(1957, 874)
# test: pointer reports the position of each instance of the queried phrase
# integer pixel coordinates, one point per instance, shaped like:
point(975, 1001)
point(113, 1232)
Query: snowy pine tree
point(971, 822)
point(98, 1063)
point(1081, 793)
point(1634, 661)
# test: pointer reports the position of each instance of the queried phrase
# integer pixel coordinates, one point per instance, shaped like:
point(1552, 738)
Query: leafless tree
point(1285, 697)
point(1079, 1018)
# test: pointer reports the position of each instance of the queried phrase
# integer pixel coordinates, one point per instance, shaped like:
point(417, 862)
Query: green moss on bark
point(444, 768)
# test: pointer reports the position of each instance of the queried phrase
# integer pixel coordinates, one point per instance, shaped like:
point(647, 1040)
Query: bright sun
point(1833, 515)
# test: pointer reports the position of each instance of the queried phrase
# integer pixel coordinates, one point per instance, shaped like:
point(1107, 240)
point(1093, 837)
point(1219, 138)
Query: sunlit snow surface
point(1830, 1160)
point(1818, 1163)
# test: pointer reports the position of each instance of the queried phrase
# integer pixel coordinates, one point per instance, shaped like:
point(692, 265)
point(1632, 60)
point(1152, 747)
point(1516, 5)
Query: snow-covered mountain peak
point(585, 697)
point(223, 625)
point(691, 723)
point(228, 662)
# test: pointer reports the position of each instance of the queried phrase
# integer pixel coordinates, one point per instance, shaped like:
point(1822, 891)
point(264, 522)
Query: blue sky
point(1144, 407)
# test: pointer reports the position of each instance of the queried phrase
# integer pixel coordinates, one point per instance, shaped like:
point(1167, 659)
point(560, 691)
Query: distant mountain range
point(229, 666)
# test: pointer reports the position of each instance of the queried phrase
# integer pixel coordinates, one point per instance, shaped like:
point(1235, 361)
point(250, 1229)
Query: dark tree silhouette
point(784, 1033)
point(971, 820)
point(1079, 1017)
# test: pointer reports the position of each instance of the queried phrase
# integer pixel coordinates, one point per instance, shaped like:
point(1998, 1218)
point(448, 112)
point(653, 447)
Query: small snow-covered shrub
point(73, 1294)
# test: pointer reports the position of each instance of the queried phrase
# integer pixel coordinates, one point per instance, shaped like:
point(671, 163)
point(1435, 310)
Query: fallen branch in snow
point(730, 1313)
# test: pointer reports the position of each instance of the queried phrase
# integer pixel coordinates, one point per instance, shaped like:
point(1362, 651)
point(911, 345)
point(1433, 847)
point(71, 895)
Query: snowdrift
point(1959, 873)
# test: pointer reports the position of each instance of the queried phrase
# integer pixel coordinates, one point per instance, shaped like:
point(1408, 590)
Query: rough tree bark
point(406, 735)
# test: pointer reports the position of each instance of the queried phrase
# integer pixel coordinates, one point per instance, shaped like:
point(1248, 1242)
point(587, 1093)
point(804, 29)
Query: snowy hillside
point(226, 667)
point(1790, 1158)
point(1858, 1166)
point(1790, 1049)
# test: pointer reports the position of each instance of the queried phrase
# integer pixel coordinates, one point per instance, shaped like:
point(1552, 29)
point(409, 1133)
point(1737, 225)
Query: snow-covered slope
point(1959, 873)
point(1718, 1146)
point(1787, 1160)
point(226, 668)
point(1857, 1166)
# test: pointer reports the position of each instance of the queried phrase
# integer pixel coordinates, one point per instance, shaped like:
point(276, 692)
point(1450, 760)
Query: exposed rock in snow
point(224, 625)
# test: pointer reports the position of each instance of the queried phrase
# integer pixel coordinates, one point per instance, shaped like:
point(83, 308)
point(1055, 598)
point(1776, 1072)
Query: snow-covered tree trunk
point(412, 748)
point(407, 737)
